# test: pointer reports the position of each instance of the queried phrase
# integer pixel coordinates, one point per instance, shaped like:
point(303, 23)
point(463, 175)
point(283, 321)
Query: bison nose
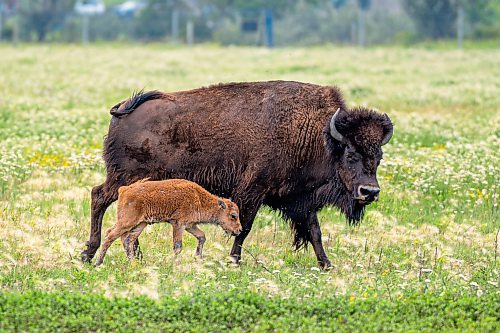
point(368, 193)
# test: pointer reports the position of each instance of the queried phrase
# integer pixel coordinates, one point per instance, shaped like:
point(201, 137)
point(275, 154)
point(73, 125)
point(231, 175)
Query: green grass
point(245, 312)
point(433, 232)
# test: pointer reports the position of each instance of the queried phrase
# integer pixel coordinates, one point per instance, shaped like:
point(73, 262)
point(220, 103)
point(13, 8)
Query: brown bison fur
point(182, 203)
point(259, 143)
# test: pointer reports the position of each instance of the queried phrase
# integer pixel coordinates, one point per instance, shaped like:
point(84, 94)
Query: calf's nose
point(368, 192)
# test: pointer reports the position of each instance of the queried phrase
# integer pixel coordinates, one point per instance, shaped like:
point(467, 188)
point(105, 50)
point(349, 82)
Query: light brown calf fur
point(182, 203)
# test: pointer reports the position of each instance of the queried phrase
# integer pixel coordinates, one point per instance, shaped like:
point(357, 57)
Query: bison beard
point(259, 143)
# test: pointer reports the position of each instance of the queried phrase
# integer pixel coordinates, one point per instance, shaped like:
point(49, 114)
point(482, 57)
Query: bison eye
point(352, 157)
point(234, 216)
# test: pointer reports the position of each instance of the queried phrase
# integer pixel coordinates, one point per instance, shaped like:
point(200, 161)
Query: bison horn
point(388, 135)
point(333, 130)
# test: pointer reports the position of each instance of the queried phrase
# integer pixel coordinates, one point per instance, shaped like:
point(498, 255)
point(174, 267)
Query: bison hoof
point(325, 264)
point(86, 256)
point(234, 260)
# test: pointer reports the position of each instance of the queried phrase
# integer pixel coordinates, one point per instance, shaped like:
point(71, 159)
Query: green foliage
point(437, 19)
point(434, 18)
point(154, 22)
point(243, 311)
point(484, 18)
point(40, 16)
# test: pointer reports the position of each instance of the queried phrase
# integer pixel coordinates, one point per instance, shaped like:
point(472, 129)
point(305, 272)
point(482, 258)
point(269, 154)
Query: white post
point(85, 29)
point(361, 27)
point(353, 32)
point(15, 30)
point(175, 25)
point(190, 32)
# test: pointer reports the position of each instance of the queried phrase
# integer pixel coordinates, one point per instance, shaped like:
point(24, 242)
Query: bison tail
point(139, 97)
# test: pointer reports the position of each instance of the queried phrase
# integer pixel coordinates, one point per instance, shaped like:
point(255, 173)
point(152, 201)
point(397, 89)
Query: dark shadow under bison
point(293, 146)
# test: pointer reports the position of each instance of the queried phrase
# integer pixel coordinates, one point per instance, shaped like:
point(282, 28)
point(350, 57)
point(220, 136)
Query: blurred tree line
point(302, 22)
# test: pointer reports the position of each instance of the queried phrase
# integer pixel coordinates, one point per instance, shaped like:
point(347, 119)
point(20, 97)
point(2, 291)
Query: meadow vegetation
point(432, 236)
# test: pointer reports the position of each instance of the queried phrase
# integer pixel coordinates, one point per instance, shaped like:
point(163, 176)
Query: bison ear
point(222, 204)
point(390, 130)
point(333, 129)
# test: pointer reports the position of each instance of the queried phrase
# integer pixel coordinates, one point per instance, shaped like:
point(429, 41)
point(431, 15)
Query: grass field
point(431, 242)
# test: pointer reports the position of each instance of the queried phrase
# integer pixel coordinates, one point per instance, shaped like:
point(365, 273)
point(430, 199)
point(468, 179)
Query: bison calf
point(182, 203)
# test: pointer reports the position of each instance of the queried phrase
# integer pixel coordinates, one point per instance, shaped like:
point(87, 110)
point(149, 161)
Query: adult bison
point(293, 146)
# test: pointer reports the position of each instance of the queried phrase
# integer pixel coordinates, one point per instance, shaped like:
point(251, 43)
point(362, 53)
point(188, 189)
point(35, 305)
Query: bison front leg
point(247, 215)
point(249, 198)
point(101, 199)
point(315, 233)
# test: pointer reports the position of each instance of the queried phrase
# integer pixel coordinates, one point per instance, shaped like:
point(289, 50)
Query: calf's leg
point(126, 242)
point(177, 239)
point(132, 237)
point(111, 235)
point(102, 197)
point(200, 236)
point(132, 246)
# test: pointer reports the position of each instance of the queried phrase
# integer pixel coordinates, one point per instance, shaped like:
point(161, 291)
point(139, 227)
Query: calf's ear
point(222, 204)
